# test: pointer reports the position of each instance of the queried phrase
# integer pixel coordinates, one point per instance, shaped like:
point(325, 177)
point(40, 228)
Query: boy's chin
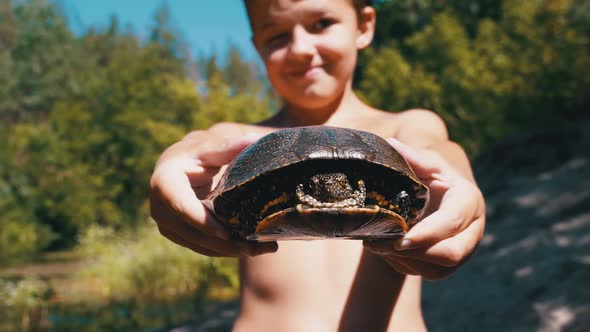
point(318, 96)
point(314, 100)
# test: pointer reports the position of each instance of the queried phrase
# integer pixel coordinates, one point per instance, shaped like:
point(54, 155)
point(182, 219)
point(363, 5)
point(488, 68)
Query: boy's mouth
point(306, 73)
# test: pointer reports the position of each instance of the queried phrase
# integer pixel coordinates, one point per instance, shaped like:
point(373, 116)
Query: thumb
point(422, 161)
point(222, 154)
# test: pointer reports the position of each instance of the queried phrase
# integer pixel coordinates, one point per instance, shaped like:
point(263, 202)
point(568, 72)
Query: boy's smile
point(306, 73)
point(309, 47)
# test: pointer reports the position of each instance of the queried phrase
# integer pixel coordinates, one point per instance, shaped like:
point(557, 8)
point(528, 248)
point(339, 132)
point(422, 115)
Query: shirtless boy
point(309, 49)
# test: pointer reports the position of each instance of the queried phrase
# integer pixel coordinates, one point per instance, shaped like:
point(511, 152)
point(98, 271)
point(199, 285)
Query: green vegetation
point(23, 302)
point(83, 118)
point(143, 264)
point(129, 280)
point(489, 68)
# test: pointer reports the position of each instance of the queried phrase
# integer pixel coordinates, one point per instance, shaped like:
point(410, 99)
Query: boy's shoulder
point(421, 118)
point(418, 127)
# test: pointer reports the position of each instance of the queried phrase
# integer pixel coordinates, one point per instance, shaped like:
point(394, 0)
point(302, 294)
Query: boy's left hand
point(454, 223)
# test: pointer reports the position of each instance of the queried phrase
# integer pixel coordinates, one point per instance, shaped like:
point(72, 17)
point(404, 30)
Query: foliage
point(22, 302)
point(84, 118)
point(144, 265)
point(489, 68)
point(132, 280)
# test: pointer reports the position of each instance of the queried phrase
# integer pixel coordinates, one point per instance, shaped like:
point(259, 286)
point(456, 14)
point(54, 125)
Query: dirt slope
point(532, 270)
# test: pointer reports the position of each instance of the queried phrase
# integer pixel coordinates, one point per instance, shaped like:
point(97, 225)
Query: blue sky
point(205, 24)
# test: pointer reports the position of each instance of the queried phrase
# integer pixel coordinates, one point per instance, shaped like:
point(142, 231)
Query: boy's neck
point(293, 116)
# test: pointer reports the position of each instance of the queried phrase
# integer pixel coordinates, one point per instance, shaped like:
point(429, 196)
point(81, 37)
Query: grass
point(129, 281)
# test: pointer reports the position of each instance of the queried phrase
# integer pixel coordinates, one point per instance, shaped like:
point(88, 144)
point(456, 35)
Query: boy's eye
point(278, 39)
point(320, 25)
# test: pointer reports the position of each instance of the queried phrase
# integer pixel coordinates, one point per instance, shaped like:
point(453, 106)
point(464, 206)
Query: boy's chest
point(384, 125)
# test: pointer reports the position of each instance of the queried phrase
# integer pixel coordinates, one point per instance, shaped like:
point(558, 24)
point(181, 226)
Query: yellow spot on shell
point(380, 199)
point(281, 199)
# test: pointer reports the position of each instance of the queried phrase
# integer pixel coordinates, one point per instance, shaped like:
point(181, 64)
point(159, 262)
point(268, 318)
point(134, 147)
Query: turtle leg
point(402, 201)
point(360, 195)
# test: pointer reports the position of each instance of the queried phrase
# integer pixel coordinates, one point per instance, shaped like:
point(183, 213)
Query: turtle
point(318, 182)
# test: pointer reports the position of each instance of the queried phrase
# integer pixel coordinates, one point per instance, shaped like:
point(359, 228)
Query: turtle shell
point(319, 182)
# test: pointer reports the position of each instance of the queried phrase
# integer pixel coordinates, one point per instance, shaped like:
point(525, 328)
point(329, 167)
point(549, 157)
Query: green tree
point(41, 64)
point(231, 92)
point(81, 154)
point(165, 34)
point(489, 68)
point(240, 74)
point(391, 83)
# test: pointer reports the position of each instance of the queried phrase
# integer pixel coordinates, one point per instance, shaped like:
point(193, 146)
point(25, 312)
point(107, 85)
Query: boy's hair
point(358, 6)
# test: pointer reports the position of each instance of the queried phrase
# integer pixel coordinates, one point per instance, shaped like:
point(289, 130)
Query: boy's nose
point(301, 42)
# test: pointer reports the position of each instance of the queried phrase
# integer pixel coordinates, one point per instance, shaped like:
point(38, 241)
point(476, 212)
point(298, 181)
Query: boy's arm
point(455, 219)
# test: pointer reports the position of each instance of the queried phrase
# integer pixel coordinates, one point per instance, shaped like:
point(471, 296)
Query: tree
point(40, 62)
point(492, 67)
point(167, 36)
point(240, 74)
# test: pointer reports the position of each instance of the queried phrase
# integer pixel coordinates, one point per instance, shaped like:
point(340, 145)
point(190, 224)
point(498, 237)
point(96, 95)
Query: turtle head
point(330, 187)
point(331, 190)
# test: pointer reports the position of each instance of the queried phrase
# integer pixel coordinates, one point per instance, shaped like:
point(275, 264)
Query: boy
point(309, 49)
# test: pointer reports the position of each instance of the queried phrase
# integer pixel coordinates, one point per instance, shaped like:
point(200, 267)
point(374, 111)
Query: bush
point(144, 265)
point(21, 241)
point(22, 302)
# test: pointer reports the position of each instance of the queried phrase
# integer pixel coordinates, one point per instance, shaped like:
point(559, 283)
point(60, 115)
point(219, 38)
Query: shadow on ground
point(532, 269)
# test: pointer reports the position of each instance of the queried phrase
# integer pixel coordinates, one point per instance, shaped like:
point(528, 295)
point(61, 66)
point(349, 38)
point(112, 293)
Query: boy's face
point(309, 47)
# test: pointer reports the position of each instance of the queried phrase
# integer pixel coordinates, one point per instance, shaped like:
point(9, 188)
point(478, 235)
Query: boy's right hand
point(183, 176)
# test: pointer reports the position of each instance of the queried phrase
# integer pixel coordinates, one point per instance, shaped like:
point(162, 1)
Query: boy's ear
point(367, 19)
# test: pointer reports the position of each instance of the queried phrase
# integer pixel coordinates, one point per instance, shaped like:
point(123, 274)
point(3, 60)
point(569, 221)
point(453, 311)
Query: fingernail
point(402, 244)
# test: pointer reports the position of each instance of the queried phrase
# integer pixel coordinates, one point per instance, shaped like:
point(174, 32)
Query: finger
point(427, 270)
point(206, 166)
point(454, 251)
point(204, 191)
point(412, 266)
point(459, 206)
point(191, 237)
point(423, 162)
point(451, 252)
point(174, 227)
point(200, 177)
point(400, 267)
point(221, 154)
point(172, 192)
point(187, 244)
